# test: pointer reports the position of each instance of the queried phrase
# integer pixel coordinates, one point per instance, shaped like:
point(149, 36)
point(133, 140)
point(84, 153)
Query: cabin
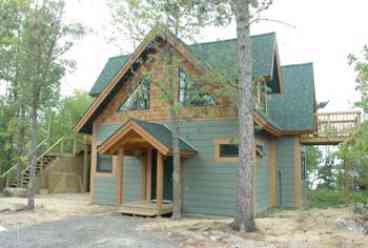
point(130, 126)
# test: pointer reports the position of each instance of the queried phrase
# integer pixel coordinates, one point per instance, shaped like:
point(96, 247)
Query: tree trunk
point(348, 171)
point(32, 174)
point(244, 221)
point(177, 185)
point(21, 146)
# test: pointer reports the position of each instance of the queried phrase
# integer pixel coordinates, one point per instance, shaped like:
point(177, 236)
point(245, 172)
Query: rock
point(360, 208)
point(2, 229)
point(352, 224)
point(15, 192)
point(18, 207)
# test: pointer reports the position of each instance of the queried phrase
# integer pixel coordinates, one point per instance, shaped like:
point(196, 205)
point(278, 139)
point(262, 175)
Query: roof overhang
point(133, 137)
point(266, 125)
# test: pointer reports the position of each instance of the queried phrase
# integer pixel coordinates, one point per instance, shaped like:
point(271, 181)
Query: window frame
point(104, 172)
point(185, 90)
point(141, 83)
point(229, 141)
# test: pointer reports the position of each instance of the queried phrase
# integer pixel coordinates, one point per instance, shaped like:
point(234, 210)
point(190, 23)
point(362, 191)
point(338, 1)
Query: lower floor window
point(229, 150)
point(226, 150)
point(104, 164)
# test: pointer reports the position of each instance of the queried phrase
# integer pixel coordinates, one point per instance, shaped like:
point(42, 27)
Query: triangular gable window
point(139, 99)
point(191, 93)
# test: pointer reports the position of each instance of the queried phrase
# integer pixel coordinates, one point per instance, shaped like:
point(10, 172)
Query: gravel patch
point(86, 232)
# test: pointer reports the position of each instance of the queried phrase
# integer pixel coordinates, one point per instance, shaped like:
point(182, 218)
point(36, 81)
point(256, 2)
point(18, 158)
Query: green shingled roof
point(160, 132)
point(112, 67)
point(293, 110)
point(220, 55)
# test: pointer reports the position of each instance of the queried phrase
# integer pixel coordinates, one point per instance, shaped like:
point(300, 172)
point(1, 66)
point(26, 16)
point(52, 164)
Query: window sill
point(104, 174)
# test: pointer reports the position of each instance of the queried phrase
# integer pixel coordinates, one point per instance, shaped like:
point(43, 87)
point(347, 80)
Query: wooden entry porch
point(150, 205)
point(146, 208)
point(144, 140)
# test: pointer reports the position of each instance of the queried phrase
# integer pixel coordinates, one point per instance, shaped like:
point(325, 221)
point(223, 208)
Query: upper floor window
point(139, 99)
point(262, 95)
point(191, 93)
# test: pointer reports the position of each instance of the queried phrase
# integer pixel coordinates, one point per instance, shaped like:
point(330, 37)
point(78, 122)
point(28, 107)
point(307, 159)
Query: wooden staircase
point(42, 164)
point(63, 147)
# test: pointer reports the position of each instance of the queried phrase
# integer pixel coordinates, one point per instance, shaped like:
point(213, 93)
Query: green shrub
point(326, 199)
point(360, 197)
point(334, 199)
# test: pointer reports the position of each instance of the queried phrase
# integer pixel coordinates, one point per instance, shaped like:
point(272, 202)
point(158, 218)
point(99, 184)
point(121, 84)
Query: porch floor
point(146, 208)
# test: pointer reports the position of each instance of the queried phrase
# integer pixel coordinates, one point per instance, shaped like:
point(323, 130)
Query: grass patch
point(334, 199)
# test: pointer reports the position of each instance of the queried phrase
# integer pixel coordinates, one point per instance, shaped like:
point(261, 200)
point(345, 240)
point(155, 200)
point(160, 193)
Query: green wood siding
point(209, 187)
point(132, 180)
point(105, 190)
point(263, 181)
point(285, 165)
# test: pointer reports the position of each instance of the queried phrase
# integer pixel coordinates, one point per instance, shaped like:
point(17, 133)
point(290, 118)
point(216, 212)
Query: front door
point(168, 177)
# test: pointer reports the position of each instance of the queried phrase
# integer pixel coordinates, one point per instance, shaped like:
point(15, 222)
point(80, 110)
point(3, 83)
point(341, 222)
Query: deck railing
point(337, 124)
point(334, 127)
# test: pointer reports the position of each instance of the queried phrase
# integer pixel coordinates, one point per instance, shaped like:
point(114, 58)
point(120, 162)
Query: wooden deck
point(144, 208)
point(333, 128)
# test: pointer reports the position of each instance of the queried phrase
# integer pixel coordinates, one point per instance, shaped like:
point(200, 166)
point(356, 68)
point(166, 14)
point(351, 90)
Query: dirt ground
point(293, 228)
point(51, 207)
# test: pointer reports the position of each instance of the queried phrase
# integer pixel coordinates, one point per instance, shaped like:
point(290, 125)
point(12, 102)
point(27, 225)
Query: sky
point(324, 32)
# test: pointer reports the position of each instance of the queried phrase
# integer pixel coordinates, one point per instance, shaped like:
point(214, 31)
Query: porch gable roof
point(157, 135)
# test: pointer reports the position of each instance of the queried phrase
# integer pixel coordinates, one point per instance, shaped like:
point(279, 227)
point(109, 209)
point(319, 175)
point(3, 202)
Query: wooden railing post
point(74, 146)
point(62, 148)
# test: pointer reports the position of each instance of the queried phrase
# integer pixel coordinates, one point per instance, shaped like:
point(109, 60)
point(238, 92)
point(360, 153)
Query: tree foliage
point(36, 38)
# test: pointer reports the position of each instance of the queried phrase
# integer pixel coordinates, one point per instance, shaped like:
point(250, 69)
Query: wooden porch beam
point(119, 167)
point(149, 174)
point(160, 181)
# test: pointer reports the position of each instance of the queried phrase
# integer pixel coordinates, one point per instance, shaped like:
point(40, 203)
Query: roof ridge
point(206, 43)
point(232, 39)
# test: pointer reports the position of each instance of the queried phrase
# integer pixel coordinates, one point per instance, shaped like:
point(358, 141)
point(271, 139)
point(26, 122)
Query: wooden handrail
point(334, 127)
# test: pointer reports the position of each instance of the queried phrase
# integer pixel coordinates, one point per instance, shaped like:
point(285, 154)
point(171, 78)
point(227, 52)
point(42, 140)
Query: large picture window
point(139, 99)
point(104, 164)
point(191, 93)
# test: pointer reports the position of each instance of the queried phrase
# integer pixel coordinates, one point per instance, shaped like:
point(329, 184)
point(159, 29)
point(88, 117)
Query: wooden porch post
point(159, 181)
point(119, 167)
point(149, 175)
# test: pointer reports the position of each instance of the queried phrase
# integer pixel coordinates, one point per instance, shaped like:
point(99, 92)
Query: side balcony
point(333, 128)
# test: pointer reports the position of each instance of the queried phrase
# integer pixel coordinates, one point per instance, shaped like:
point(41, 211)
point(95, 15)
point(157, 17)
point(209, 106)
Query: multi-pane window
point(104, 163)
point(191, 93)
point(139, 99)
